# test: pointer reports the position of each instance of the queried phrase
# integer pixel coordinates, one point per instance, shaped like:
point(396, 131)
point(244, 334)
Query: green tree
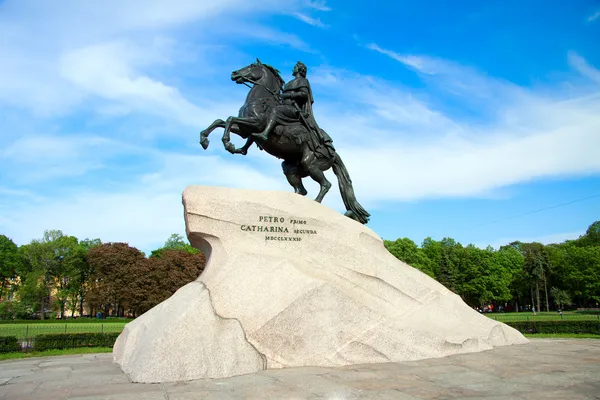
point(448, 271)
point(472, 265)
point(36, 276)
point(10, 262)
point(117, 267)
point(561, 297)
point(163, 276)
point(69, 258)
point(583, 274)
point(510, 264)
point(83, 274)
point(175, 242)
point(537, 263)
point(432, 249)
point(406, 250)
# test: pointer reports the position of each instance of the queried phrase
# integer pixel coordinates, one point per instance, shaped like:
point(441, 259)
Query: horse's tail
point(355, 210)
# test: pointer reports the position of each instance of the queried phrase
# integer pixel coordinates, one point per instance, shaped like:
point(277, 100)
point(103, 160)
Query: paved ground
point(543, 369)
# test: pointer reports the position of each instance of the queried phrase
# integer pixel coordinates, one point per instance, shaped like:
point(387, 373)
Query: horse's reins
point(275, 94)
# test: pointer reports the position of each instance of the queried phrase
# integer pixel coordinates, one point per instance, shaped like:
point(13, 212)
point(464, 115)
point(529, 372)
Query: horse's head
point(255, 72)
point(251, 73)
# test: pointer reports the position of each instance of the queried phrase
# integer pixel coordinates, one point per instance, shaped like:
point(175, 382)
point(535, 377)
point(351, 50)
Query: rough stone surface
point(183, 339)
point(297, 284)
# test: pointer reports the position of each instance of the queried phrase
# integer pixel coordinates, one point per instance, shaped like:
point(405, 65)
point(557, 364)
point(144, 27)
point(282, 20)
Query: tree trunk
point(546, 290)
point(43, 305)
point(73, 305)
point(537, 292)
point(81, 304)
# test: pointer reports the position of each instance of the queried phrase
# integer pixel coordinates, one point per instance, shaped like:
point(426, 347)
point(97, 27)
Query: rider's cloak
point(317, 136)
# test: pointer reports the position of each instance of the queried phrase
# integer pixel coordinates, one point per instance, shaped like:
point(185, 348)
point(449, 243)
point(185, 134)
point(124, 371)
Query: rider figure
point(296, 107)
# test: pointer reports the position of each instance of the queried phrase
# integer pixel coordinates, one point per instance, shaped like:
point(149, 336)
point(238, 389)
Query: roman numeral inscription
point(280, 229)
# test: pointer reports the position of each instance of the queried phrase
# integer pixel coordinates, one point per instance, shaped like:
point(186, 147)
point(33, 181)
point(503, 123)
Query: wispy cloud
point(420, 63)
point(139, 91)
point(431, 153)
point(144, 211)
point(108, 70)
point(317, 5)
point(52, 52)
point(310, 20)
point(594, 16)
point(583, 67)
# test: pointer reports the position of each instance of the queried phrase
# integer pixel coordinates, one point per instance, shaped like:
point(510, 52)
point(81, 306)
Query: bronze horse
point(290, 144)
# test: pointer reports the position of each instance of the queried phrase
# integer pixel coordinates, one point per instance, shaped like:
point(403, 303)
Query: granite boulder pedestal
point(290, 282)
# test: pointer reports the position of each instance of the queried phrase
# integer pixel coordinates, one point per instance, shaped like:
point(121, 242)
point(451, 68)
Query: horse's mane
point(276, 73)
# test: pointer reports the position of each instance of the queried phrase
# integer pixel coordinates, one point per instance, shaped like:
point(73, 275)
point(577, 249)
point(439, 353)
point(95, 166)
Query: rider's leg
point(271, 122)
point(264, 135)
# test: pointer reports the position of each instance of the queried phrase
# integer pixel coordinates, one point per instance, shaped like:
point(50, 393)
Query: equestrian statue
point(280, 120)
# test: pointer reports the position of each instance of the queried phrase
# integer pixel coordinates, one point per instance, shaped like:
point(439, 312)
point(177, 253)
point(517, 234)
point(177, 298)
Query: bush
point(568, 326)
point(13, 309)
point(73, 340)
point(9, 344)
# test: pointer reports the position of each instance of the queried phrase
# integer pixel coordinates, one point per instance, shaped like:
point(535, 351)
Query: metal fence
point(24, 332)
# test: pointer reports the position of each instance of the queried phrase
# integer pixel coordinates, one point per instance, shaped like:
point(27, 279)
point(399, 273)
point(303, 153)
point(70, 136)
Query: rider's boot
point(264, 135)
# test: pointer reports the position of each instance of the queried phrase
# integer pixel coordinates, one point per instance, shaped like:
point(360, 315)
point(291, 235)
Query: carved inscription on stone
point(280, 229)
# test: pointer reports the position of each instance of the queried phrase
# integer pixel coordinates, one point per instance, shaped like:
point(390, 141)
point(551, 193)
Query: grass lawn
point(561, 336)
point(109, 320)
point(87, 350)
point(23, 330)
point(80, 350)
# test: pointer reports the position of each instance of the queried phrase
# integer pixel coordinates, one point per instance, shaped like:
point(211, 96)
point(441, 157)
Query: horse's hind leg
point(310, 164)
point(292, 173)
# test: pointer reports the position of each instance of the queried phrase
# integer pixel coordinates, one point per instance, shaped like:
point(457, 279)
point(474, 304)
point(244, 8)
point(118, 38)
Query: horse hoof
point(230, 148)
point(204, 143)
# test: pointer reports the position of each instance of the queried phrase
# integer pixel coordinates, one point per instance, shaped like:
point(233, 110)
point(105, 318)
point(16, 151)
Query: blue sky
point(474, 120)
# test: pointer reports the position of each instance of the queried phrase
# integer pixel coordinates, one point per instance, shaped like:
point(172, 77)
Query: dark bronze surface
point(279, 119)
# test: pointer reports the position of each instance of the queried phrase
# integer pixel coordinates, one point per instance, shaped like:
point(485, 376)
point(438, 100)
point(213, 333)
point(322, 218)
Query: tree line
point(63, 276)
point(516, 277)
point(60, 275)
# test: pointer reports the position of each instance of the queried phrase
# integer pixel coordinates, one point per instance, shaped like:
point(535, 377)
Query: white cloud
point(594, 16)
point(143, 212)
point(583, 67)
point(398, 143)
point(107, 70)
point(310, 20)
point(409, 140)
point(43, 158)
point(110, 43)
point(420, 63)
point(317, 5)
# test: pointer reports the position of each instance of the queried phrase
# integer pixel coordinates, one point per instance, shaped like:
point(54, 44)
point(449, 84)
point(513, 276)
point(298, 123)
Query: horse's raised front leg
point(252, 123)
point(219, 123)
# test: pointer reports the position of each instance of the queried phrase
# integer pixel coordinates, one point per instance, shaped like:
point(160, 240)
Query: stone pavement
point(543, 369)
